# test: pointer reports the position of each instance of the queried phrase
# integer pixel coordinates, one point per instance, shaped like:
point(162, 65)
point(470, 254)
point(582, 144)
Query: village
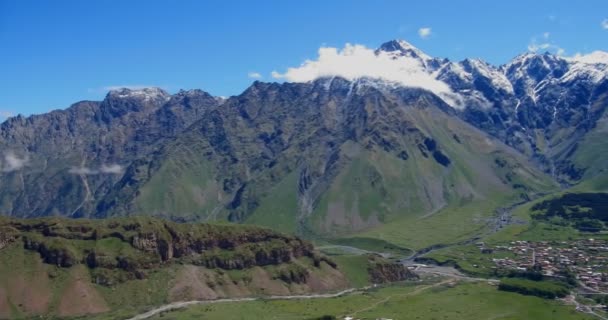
point(586, 259)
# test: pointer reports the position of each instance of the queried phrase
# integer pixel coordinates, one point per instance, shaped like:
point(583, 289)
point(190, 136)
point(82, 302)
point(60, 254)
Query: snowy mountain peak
point(403, 48)
point(592, 67)
point(529, 71)
point(483, 69)
point(596, 57)
point(147, 94)
point(532, 60)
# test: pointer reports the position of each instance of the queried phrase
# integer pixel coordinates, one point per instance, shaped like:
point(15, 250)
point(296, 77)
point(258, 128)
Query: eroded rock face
point(144, 244)
point(56, 255)
point(384, 271)
point(7, 236)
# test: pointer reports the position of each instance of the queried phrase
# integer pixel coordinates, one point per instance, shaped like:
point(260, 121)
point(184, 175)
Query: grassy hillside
point(323, 164)
point(59, 267)
point(535, 226)
point(414, 301)
point(590, 154)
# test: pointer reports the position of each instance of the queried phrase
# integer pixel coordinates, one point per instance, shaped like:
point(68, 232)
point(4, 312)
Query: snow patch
point(596, 57)
point(593, 67)
point(497, 78)
point(146, 94)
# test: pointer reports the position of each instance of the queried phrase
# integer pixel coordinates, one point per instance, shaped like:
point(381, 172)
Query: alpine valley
point(151, 180)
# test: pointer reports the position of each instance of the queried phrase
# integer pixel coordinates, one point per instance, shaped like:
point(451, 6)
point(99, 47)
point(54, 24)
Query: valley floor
point(434, 298)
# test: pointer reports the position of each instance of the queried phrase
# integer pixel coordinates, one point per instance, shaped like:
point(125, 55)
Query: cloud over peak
point(254, 75)
point(4, 114)
point(357, 61)
point(545, 45)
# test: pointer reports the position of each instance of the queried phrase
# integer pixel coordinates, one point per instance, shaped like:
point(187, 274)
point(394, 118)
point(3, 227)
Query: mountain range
point(325, 157)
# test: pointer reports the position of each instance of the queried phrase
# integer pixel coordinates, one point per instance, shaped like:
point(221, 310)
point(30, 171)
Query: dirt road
point(179, 305)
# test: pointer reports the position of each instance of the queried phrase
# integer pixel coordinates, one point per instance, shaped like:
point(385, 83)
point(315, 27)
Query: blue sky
point(54, 53)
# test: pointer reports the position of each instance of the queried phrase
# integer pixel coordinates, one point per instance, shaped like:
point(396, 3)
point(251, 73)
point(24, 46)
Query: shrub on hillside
point(543, 289)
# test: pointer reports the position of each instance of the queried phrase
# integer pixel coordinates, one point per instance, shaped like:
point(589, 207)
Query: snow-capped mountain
point(401, 48)
point(541, 104)
point(523, 78)
point(396, 103)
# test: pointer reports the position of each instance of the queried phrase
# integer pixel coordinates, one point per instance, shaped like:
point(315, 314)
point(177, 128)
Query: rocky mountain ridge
point(192, 156)
point(533, 97)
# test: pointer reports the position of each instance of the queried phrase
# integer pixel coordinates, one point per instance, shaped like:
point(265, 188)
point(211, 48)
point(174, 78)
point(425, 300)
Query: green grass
point(591, 154)
point(183, 187)
point(15, 260)
point(374, 245)
point(468, 258)
point(447, 226)
point(536, 230)
point(353, 193)
point(133, 295)
point(120, 264)
point(279, 209)
point(355, 269)
point(463, 301)
point(547, 289)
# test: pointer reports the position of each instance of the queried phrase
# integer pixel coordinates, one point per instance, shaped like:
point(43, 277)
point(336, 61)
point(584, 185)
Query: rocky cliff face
point(61, 162)
point(7, 236)
point(148, 244)
point(383, 271)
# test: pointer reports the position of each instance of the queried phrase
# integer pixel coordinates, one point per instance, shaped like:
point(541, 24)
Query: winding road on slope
point(184, 304)
point(179, 305)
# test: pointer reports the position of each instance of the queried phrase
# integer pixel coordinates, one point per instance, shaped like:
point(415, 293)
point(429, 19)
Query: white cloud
point(591, 58)
point(424, 32)
point(83, 171)
point(4, 114)
point(545, 45)
point(104, 169)
point(111, 169)
point(605, 24)
point(254, 75)
point(276, 75)
point(357, 61)
point(13, 162)
point(534, 46)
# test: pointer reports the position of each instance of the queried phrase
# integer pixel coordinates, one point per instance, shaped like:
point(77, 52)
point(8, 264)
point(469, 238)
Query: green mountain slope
point(331, 157)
